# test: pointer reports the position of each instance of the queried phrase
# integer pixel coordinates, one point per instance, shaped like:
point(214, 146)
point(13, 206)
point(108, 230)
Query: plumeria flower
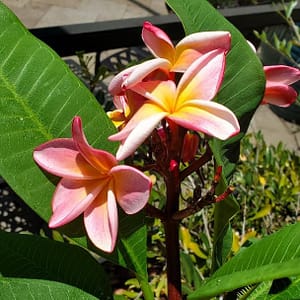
point(167, 57)
point(277, 91)
point(92, 183)
point(187, 105)
point(187, 50)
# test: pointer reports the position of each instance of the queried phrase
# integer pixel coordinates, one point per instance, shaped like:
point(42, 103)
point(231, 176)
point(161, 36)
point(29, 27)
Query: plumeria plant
point(188, 106)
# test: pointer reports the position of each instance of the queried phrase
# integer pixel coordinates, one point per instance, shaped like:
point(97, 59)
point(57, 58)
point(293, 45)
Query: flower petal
point(60, 157)
point(186, 58)
point(138, 129)
point(282, 74)
point(71, 198)
point(194, 45)
point(203, 78)
point(141, 71)
point(208, 117)
point(158, 42)
point(101, 221)
point(161, 93)
point(131, 187)
point(280, 95)
point(205, 41)
point(115, 85)
point(101, 160)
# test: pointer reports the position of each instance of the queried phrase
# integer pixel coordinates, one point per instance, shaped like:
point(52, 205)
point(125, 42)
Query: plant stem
point(173, 260)
point(172, 239)
point(171, 226)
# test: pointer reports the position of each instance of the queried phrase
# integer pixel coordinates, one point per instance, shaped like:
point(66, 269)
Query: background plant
point(287, 39)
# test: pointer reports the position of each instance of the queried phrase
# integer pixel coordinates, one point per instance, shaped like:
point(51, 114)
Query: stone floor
point(44, 13)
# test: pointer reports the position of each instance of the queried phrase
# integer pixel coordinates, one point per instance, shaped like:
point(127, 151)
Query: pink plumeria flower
point(277, 91)
point(188, 105)
point(92, 183)
point(167, 57)
point(187, 50)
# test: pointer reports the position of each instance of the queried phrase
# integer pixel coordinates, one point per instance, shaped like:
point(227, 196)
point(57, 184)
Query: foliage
point(289, 41)
point(268, 187)
point(39, 96)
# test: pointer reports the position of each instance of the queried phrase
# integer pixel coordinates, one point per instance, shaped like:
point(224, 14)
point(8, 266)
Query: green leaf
point(39, 96)
point(292, 292)
point(273, 257)
point(261, 291)
point(29, 256)
point(131, 248)
point(191, 274)
point(241, 91)
point(20, 289)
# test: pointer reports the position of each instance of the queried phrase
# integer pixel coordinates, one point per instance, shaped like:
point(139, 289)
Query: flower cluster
point(168, 98)
point(177, 86)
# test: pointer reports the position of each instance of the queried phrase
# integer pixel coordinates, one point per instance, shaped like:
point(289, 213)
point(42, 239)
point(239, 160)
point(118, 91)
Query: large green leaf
point(273, 257)
point(34, 289)
point(241, 91)
point(39, 96)
point(28, 256)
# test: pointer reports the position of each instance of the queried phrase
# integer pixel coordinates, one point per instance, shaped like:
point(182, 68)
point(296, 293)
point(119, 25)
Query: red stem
point(172, 238)
point(171, 226)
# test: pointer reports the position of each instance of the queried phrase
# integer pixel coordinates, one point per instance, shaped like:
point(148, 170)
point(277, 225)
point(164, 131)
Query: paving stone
point(273, 128)
point(61, 3)
point(56, 16)
point(15, 3)
point(31, 13)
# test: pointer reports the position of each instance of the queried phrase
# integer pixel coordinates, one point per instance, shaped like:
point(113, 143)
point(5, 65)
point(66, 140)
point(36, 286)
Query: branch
point(197, 164)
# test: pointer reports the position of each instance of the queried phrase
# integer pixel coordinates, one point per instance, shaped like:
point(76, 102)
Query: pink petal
point(197, 44)
point(132, 188)
point(205, 41)
point(138, 129)
point(145, 69)
point(60, 157)
point(158, 42)
point(101, 221)
point(115, 86)
point(71, 198)
point(203, 78)
point(280, 95)
point(120, 102)
point(99, 159)
point(282, 74)
point(208, 117)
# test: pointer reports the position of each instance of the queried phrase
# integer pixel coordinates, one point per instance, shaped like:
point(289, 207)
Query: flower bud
point(190, 147)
